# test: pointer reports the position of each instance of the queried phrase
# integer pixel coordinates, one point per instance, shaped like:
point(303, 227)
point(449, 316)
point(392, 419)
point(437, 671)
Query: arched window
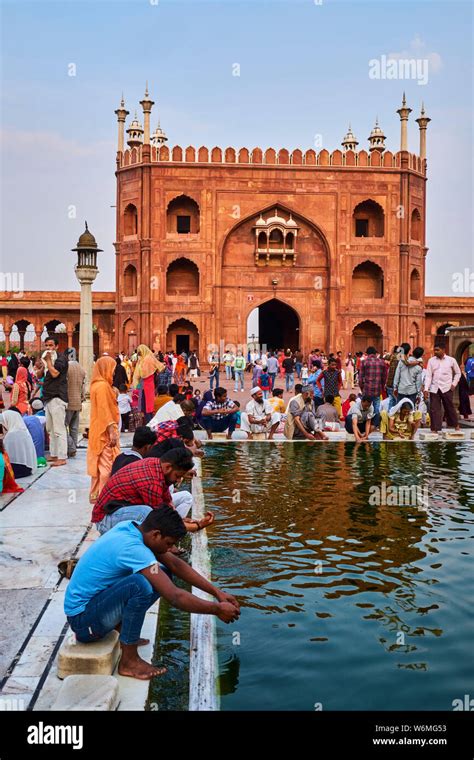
point(415, 285)
point(130, 220)
point(130, 281)
point(182, 278)
point(290, 241)
point(368, 219)
point(262, 240)
point(275, 239)
point(367, 281)
point(367, 334)
point(183, 216)
point(416, 225)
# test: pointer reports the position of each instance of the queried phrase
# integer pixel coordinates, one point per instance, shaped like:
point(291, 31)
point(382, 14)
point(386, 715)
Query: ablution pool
point(345, 605)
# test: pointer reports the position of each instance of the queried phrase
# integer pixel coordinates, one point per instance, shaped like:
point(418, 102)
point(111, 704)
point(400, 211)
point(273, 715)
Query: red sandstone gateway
point(330, 247)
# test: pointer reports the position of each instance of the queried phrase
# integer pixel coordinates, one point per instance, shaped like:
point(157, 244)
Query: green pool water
point(345, 606)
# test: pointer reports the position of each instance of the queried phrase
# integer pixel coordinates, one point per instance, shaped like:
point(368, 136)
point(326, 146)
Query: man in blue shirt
point(123, 573)
point(469, 370)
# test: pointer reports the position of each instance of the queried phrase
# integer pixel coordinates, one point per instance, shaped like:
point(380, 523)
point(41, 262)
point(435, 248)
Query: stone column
point(86, 342)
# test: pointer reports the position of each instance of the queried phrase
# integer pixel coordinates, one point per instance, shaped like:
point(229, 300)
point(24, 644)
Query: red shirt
point(140, 482)
point(166, 430)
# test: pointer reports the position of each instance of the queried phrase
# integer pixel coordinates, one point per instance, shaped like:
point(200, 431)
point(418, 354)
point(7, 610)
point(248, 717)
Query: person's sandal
point(66, 567)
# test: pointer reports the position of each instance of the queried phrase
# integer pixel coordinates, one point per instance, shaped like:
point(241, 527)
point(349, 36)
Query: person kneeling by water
point(401, 422)
point(123, 573)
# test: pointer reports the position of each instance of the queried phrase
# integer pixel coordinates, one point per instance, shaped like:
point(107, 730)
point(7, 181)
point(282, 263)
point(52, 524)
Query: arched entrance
point(278, 325)
point(182, 335)
point(367, 334)
point(463, 352)
point(130, 337)
point(442, 340)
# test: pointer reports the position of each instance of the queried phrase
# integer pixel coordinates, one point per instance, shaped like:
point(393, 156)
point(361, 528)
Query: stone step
point(89, 692)
point(428, 436)
point(96, 658)
point(453, 435)
point(259, 436)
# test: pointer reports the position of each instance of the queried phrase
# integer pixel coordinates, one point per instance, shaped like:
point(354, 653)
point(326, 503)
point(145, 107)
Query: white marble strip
point(203, 668)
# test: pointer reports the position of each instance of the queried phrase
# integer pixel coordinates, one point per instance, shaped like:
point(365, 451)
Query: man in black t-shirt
point(55, 401)
point(289, 367)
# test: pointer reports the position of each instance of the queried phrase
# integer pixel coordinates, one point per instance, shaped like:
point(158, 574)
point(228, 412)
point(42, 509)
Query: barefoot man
point(123, 573)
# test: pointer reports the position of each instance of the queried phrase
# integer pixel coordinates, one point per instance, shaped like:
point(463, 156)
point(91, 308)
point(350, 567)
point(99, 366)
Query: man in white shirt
point(442, 376)
point(172, 410)
point(259, 416)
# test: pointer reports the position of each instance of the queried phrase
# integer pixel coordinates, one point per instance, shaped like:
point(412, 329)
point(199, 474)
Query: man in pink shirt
point(442, 376)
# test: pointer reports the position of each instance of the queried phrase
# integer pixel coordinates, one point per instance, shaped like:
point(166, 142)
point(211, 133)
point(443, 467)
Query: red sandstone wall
point(324, 197)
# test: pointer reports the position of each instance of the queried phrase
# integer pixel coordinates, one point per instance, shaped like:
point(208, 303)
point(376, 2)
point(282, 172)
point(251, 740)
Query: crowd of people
point(139, 506)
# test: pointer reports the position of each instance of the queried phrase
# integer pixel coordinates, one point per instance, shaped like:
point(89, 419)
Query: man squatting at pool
point(123, 573)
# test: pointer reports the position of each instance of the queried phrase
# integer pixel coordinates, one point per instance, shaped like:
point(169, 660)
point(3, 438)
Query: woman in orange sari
point(104, 441)
point(180, 370)
point(144, 379)
point(20, 390)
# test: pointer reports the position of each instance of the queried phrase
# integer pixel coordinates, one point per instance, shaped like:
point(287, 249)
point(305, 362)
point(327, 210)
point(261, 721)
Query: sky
point(304, 71)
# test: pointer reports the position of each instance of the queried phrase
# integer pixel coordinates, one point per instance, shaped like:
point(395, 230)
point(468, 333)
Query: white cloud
point(417, 49)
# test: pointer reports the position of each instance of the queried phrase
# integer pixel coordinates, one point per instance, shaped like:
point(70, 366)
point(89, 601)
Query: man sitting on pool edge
point(123, 573)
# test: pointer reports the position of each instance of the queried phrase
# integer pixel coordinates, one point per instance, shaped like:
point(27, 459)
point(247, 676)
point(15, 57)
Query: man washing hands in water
point(123, 573)
point(133, 491)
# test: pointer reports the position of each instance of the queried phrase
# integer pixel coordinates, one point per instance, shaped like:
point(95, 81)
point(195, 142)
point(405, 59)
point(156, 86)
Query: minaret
point(423, 122)
point(147, 105)
point(349, 142)
point(158, 137)
point(377, 139)
point(121, 114)
point(404, 112)
point(135, 133)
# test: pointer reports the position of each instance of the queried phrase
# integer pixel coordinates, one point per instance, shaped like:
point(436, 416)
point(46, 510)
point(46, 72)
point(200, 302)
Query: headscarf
point(21, 375)
point(147, 364)
point(18, 442)
point(104, 408)
point(393, 411)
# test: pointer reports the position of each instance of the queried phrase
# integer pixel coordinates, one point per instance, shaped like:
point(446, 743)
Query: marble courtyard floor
point(49, 522)
point(41, 526)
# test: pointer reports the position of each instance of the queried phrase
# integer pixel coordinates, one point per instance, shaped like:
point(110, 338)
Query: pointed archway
point(278, 325)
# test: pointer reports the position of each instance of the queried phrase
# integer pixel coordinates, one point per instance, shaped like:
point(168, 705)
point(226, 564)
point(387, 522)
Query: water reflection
point(297, 540)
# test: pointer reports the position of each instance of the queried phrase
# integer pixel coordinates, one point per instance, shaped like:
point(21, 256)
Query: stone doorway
point(278, 326)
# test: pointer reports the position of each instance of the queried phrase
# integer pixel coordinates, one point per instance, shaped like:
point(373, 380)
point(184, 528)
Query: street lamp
point(86, 271)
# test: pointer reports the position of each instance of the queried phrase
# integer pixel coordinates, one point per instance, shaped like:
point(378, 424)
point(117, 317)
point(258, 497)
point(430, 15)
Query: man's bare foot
point(132, 665)
point(140, 669)
point(51, 458)
point(58, 462)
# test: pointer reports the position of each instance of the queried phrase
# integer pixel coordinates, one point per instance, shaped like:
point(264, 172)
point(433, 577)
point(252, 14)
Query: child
point(264, 382)
point(197, 396)
point(125, 407)
point(305, 372)
point(237, 413)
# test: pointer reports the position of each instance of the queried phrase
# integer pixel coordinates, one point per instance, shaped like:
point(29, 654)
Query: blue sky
point(303, 72)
